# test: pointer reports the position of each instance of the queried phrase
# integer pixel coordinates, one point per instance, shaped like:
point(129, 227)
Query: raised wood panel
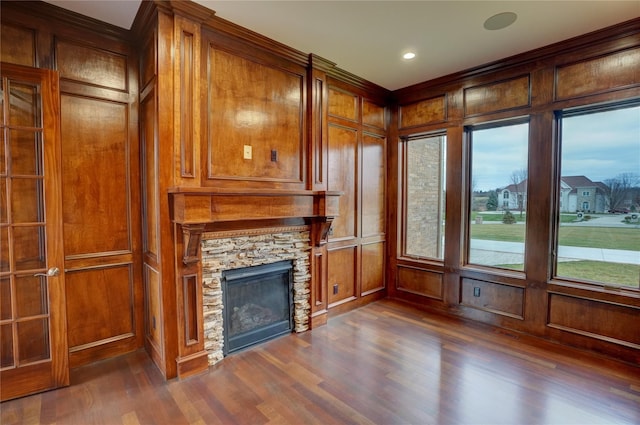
point(318, 130)
point(373, 185)
point(596, 319)
point(187, 102)
point(426, 111)
point(153, 309)
point(500, 96)
point(150, 206)
point(95, 161)
point(343, 104)
point(148, 62)
point(492, 297)
point(373, 115)
point(343, 147)
point(341, 276)
point(91, 65)
point(102, 307)
point(18, 45)
point(259, 107)
point(598, 75)
point(318, 281)
point(373, 260)
point(420, 282)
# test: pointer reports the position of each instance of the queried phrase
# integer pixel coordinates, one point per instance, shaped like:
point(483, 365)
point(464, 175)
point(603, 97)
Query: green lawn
point(497, 216)
point(585, 236)
point(597, 271)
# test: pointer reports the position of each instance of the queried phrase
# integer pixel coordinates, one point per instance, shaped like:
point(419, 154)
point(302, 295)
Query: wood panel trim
point(438, 295)
point(513, 93)
point(347, 95)
point(517, 313)
point(101, 342)
point(428, 111)
point(584, 332)
point(614, 71)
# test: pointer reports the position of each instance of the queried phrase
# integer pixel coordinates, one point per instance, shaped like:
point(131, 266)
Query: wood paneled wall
point(533, 85)
point(100, 173)
point(205, 95)
point(357, 145)
point(248, 116)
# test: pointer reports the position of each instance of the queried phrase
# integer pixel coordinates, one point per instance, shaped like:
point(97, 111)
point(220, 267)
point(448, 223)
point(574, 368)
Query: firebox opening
point(257, 304)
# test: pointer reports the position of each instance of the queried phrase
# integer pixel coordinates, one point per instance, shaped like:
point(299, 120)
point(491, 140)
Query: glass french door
point(33, 351)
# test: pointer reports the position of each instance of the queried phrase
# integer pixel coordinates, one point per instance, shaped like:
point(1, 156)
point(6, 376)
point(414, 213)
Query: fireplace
point(257, 304)
point(225, 229)
point(225, 253)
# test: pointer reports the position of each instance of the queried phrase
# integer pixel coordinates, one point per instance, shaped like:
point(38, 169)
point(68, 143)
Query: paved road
point(494, 252)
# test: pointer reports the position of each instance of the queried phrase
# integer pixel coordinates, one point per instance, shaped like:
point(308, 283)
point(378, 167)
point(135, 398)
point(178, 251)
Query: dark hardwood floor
point(386, 363)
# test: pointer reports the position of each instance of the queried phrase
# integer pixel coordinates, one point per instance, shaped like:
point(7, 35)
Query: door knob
point(53, 271)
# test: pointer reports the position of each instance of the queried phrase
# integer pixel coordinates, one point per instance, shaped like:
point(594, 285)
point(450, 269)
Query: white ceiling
point(367, 38)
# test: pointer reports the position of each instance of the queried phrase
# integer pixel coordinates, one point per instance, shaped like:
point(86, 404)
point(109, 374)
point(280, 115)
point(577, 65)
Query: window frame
point(403, 141)
point(467, 194)
point(556, 203)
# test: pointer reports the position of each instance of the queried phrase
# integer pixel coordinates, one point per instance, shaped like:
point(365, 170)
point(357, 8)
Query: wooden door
point(33, 353)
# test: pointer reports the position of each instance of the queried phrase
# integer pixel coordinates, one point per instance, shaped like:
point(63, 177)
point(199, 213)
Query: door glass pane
point(2, 103)
point(5, 298)
point(6, 346)
point(3, 165)
point(498, 193)
point(28, 247)
point(598, 235)
point(24, 104)
point(3, 200)
point(25, 153)
point(31, 295)
point(33, 340)
point(26, 201)
point(424, 176)
point(4, 250)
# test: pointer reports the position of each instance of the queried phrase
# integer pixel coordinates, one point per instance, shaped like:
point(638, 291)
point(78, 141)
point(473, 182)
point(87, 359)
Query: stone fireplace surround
point(228, 250)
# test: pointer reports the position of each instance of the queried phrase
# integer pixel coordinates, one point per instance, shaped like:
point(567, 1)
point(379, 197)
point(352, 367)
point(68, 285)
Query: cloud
point(601, 145)
point(598, 145)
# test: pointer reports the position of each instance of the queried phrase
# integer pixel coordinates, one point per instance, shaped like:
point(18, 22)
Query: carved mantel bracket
point(192, 235)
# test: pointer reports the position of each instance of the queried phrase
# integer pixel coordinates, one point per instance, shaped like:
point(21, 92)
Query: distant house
point(577, 193)
point(513, 197)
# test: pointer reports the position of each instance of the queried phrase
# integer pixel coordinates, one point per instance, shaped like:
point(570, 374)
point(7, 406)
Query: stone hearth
point(222, 252)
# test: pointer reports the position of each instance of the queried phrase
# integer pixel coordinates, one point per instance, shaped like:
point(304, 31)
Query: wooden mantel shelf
point(194, 208)
point(207, 205)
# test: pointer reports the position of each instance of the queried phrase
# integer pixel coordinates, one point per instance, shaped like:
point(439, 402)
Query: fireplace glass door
point(257, 304)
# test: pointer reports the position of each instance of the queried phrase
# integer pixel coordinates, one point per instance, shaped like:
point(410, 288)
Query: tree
point(508, 218)
point(519, 180)
point(619, 188)
point(492, 202)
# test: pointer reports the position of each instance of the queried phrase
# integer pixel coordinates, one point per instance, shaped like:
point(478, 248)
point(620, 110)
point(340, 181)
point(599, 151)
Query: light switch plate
point(247, 152)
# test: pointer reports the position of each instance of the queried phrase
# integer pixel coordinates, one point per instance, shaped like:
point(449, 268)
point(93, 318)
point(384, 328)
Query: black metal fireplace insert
point(258, 304)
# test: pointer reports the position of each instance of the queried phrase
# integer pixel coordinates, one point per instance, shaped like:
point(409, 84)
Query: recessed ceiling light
point(408, 55)
point(500, 21)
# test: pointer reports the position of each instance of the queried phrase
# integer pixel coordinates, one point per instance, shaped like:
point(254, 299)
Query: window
point(496, 235)
point(424, 196)
point(599, 148)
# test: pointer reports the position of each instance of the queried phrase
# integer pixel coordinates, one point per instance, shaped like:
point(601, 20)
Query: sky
point(599, 146)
